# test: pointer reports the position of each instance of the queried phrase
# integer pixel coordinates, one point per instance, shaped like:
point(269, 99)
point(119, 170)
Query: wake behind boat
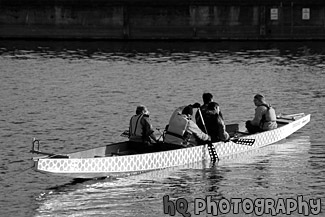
point(119, 159)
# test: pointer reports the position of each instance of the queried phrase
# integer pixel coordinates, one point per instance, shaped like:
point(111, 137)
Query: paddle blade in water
point(249, 142)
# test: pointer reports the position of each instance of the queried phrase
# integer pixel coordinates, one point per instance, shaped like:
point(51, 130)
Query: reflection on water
point(260, 173)
point(77, 95)
point(280, 53)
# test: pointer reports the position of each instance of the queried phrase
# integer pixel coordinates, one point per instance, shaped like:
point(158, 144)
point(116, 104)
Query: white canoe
point(108, 161)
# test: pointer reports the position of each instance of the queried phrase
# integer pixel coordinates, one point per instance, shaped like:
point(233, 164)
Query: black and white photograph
point(142, 108)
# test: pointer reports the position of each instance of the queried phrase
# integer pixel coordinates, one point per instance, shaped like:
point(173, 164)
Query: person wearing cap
point(183, 131)
point(141, 132)
point(215, 124)
point(265, 117)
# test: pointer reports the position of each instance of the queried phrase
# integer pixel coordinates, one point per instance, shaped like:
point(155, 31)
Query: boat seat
point(121, 153)
point(282, 121)
point(243, 132)
point(59, 156)
point(114, 154)
point(232, 129)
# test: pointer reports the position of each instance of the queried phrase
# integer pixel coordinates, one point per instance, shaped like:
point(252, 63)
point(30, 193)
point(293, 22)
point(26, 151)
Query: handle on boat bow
point(37, 151)
point(33, 145)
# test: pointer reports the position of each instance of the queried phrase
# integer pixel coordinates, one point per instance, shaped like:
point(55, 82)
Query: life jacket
point(269, 115)
point(179, 110)
point(177, 130)
point(136, 128)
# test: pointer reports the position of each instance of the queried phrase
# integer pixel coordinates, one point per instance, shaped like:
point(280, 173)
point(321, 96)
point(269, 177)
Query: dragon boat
point(118, 159)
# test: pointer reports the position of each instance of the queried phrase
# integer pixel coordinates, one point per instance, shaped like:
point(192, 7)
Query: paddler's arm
point(149, 129)
point(258, 116)
point(193, 128)
point(222, 133)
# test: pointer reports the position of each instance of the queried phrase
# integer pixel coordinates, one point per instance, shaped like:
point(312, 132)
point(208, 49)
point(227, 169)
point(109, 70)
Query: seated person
point(265, 117)
point(183, 131)
point(179, 110)
point(141, 132)
point(214, 123)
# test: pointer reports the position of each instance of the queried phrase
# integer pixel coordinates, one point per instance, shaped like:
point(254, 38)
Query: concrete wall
point(163, 19)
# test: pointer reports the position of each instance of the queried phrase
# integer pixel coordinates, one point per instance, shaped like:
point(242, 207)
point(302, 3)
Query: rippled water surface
point(76, 95)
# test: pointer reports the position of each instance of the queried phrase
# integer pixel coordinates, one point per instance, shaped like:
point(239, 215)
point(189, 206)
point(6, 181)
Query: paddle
point(236, 140)
point(212, 151)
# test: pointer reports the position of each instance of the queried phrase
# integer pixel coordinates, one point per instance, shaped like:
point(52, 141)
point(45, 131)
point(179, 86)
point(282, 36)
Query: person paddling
point(207, 98)
point(184, 131)
point(215, 124)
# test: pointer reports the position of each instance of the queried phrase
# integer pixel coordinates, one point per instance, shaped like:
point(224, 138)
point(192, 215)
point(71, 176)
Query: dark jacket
point(215, 126)
point(140, 128)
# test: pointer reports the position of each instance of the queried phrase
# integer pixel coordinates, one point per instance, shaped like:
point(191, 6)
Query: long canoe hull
point(94, 166)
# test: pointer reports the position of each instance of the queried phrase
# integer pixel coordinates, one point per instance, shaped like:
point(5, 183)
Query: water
point(76, 95)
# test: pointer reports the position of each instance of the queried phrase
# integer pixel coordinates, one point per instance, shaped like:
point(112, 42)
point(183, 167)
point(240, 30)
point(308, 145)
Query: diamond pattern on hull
point(159, 160)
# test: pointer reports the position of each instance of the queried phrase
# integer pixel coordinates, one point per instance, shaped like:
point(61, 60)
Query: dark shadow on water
point(279, 53)
point(88, 47)
point(76, 183)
